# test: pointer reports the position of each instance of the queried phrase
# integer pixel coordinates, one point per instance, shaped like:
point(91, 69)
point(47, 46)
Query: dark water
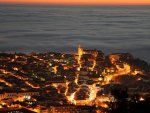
point(60, 28)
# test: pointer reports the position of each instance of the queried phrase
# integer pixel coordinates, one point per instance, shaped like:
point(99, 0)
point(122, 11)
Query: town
point(88, 81)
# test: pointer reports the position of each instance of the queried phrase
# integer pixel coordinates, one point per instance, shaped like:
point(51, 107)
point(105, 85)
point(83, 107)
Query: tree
point(120, 93)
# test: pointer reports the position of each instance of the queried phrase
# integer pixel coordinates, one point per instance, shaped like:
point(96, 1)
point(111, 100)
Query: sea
point(58, 28)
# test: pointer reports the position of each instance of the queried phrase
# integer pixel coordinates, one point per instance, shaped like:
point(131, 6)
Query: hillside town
point(83, 82)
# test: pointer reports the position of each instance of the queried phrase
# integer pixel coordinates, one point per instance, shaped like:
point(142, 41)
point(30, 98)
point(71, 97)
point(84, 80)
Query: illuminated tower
point(80, 50)
point(80, 53)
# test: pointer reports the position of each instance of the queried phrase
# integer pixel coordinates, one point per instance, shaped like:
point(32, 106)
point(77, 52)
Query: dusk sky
point(80, 2)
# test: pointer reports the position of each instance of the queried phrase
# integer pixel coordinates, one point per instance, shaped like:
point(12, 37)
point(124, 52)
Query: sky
point(80, 2)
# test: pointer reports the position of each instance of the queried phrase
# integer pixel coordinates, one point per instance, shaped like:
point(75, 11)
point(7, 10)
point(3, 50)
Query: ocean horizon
point(42, 28)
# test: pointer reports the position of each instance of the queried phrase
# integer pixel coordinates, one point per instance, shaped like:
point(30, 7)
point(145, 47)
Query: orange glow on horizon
point(80, 2)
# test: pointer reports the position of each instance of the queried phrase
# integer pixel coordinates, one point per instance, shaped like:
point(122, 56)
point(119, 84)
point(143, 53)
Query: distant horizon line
point(75, 4)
